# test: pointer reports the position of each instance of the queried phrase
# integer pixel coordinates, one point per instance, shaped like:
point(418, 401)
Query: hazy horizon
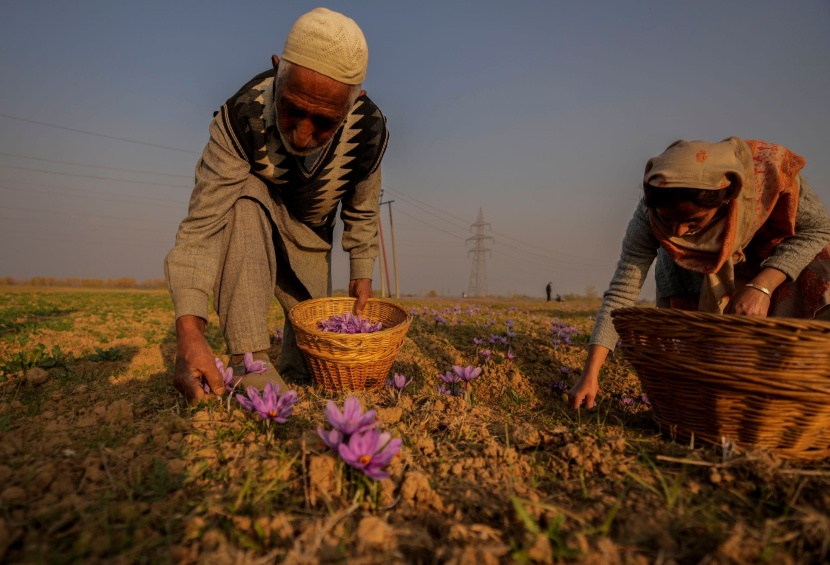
point(541, 114)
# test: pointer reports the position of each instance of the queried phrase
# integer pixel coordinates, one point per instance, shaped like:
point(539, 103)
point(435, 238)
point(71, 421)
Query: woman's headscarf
point(763, 209)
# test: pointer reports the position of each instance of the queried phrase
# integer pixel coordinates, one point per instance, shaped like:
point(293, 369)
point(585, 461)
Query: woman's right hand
point(584, 391)
point(586, 388)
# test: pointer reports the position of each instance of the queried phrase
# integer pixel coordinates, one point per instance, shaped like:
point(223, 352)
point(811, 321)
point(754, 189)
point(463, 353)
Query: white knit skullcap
point(329, 43)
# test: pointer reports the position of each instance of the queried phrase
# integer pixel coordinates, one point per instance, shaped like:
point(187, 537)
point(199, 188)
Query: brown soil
point(102, 462)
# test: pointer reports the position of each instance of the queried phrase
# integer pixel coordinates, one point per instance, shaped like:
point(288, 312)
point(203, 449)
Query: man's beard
point(305, 152)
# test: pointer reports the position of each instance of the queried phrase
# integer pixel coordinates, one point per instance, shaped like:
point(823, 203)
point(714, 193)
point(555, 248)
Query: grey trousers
point(254, 268)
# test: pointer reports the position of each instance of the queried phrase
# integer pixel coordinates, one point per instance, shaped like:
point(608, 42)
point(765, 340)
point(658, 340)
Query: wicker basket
point(756, 381)
point(340, 362)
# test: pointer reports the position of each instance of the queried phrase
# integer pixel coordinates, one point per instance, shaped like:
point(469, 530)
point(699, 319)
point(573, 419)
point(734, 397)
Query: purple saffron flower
point(511, 355)
point(560, 386)
point(253, 367)
point(493, 339)
point(439, 319)
point(450, 378)
point(478, 341)
point(644, 400)
point(370, 451)
point(348, 323)
point(565, 370)
point(332, 438)
point(485, 354)
point(451, 391)
point(271, 405)
point(398, 381)
point(510, 324)
point(466, 374)
point(627, 401)
point(352, 419)
point(279, 334)
point(227, 376)
point(511, 334)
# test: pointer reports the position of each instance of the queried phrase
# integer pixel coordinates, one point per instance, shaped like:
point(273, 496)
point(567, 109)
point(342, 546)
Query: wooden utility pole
point(394, 251)
point(381, 264)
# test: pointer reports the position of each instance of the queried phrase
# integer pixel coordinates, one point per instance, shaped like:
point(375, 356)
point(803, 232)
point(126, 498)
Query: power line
point(93, 177)
point(109, 195)
point(528, 252)
point(408, 197)
point(96, 166)
point(45, 124)
point(433, 226)
point(83, 215)
point(69, 239)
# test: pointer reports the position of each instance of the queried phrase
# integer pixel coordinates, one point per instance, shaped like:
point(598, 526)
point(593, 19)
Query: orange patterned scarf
point(762, 212)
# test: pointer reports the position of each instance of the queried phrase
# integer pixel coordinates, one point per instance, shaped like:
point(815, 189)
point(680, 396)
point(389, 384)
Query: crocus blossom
point(371, 452)
point(348, 323)
point(560, 386)
point(253, 367)
point(352, 419)
point(511, 355)
point(485, 354)
point(450, 378)
point(449, 391)
point(227, 376)
point(466, 374)
point(271, 405)
point(332, 438)
point(398, 381)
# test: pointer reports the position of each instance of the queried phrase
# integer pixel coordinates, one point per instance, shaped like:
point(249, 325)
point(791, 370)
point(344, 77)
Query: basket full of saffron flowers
point(348, 352)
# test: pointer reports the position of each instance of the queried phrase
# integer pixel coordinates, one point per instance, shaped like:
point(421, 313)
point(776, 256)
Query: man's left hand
point(362, 290)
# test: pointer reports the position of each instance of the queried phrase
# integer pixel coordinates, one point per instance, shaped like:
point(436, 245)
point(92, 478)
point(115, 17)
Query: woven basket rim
point(723, 320)
point(311, 327)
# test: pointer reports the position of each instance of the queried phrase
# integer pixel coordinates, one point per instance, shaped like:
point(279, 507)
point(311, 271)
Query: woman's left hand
point(753, 302)
point(749, 302)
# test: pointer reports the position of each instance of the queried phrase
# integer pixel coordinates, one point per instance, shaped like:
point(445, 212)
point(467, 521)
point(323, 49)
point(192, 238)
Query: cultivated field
point(101, 462)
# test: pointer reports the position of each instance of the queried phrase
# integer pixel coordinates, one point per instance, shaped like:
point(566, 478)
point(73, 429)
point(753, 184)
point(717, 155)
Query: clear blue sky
point(542, 114)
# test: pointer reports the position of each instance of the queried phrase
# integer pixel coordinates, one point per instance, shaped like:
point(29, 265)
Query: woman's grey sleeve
point(812, 234)
point(639, 248)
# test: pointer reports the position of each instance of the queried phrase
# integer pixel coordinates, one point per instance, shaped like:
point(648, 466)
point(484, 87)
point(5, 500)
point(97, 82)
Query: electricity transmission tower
point(478, 276)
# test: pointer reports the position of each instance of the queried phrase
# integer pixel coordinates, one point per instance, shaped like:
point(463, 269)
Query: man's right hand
point(194, 359)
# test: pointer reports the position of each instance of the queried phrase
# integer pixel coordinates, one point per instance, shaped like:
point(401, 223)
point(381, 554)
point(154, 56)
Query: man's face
point(310, 109)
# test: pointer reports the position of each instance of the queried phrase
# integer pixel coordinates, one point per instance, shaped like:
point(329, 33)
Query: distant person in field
point(284, 151)
point(735, 229)
point(548, 291)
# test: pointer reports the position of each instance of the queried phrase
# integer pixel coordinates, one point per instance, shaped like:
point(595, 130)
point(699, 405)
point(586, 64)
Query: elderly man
point(284, 151)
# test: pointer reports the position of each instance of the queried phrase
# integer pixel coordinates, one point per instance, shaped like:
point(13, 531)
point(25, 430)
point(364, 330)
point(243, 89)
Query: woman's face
point(686, 218)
